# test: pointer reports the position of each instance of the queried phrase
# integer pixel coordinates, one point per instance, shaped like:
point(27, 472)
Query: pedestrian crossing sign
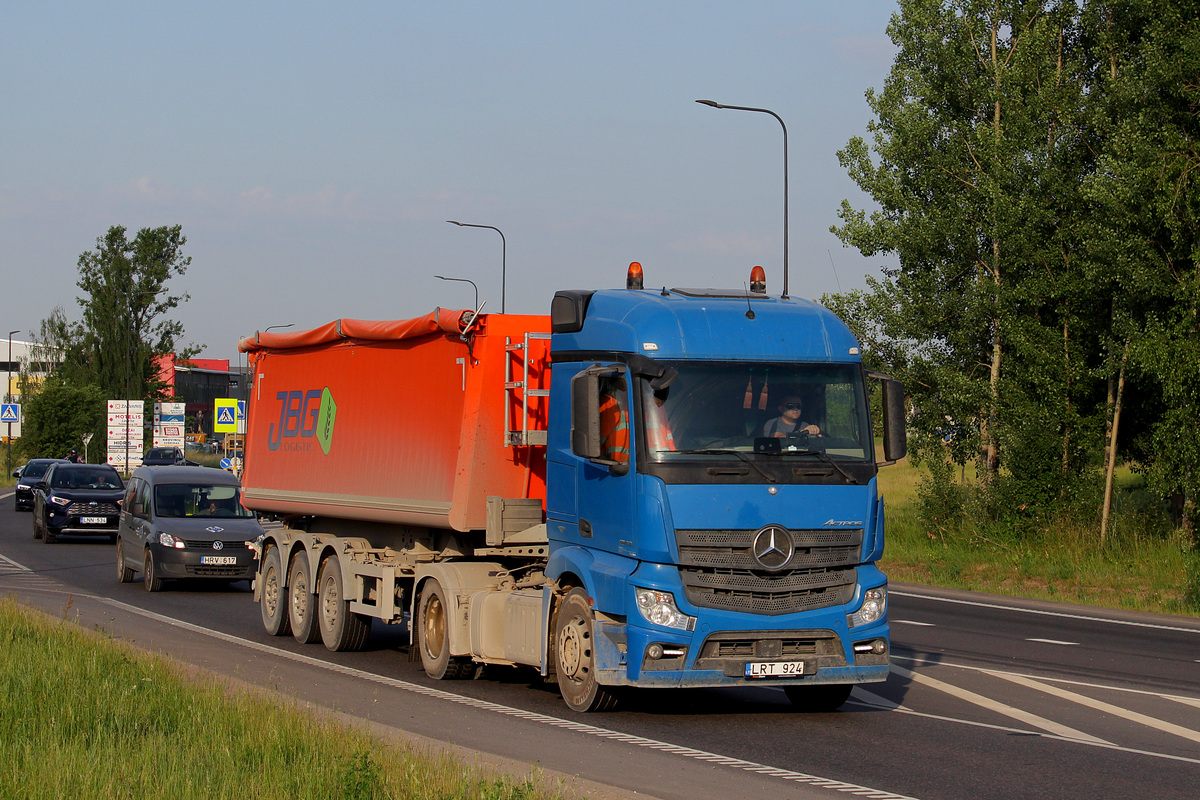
point(10, 412)
point(226, 416)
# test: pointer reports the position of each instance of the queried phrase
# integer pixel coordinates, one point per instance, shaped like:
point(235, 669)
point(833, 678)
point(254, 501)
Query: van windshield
point(179, 500)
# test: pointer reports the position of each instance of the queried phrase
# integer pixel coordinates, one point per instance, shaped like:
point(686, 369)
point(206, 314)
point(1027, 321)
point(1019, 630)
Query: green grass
point(85, 717)
point(1056, 559)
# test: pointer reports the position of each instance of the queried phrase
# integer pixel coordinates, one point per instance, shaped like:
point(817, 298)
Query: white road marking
point(1041, 723)
point(531, 716)
point(1099, 705)
point(1062, 614)
point(875, 701)
point(1054, 641)
point(913, 622)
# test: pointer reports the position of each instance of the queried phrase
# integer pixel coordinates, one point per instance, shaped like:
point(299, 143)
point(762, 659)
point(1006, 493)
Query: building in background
point(21, 360)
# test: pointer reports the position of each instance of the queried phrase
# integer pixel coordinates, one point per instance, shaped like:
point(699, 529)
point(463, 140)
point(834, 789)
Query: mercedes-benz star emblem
point(772, 547)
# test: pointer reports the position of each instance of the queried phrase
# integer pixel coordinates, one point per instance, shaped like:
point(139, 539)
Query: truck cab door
point(602, 434)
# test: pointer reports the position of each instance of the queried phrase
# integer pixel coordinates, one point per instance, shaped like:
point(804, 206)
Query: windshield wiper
point(737, 453)
point(823, 457)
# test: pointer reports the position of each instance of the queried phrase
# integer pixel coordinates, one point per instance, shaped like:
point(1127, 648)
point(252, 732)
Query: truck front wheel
point(341, 629)
point(274, 605)
point(575, 656)
point(433, 614)
point(302, 603)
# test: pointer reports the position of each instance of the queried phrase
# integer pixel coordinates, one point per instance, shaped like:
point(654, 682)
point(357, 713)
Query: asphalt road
point(989, 697)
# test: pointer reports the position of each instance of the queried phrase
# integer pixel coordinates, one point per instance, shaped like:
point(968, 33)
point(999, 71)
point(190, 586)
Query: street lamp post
point(503, 256)
point(785, 178)
point(8, 399)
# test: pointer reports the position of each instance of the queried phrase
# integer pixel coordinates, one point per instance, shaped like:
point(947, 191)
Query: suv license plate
point(93, 520)
point(226, 560)
point(774, 669)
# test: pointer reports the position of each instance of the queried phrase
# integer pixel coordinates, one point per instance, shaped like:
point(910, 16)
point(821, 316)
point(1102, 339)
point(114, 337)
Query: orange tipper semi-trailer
point(646, 488)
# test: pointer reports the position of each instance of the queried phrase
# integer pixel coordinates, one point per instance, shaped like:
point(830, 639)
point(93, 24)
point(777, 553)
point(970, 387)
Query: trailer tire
point(302, 603)
point(434, 639)
point(819, 699)
point(342, 630)
point(274, 602)
point(575, 656)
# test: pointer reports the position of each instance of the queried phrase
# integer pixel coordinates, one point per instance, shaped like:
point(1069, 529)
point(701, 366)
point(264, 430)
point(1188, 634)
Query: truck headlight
point(659, 608)
point(873, 607)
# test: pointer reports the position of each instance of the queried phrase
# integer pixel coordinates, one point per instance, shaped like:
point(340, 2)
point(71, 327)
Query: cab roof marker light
point(633, 278)
point(758, 280)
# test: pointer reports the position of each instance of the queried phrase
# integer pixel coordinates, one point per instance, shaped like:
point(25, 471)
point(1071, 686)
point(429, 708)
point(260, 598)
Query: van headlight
point(873, 608)
point(659, 608)
point(167, 540)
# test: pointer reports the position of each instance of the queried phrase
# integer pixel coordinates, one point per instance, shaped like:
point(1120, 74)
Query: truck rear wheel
point(302, 603)
point(434, 637)
point(820, 698)
point(274, 603)
point(575, 656)
point(341, 629)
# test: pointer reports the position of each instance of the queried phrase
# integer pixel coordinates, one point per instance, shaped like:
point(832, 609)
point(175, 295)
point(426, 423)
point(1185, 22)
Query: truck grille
point(719, 570)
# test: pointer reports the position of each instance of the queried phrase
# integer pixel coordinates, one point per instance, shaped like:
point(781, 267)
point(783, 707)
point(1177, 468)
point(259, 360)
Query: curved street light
point(475, 308)
point(714, 104)
point(503, 256)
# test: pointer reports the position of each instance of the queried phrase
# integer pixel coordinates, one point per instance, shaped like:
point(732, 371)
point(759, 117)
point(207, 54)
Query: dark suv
point(82, 499)
point(27, 476)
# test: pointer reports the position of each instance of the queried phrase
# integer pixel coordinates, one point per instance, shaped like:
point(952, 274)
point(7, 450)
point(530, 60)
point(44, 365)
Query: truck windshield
point(765, 411)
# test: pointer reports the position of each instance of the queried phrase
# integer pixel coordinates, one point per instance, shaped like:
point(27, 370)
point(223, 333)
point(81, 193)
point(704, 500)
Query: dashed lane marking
point(913, 622)
point(1054, 641)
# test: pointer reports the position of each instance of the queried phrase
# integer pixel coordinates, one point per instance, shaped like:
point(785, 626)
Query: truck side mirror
point(585, 415)
point(586, 436)
point(895, 439)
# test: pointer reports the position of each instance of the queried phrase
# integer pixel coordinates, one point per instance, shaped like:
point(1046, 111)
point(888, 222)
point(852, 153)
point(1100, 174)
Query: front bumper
point(23, 498)
point(72, 525)
point(199, 562)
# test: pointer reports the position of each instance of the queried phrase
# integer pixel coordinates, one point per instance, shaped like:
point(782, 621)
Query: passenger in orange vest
point(614, 427)
point(658, 429)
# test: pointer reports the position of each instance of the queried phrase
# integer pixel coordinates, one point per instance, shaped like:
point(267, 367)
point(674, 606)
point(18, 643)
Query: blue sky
point(312, 151)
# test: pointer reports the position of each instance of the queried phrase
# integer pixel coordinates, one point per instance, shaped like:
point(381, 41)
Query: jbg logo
point(303, 415)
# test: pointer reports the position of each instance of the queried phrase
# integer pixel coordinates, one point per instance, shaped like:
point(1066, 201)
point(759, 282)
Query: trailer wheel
point(575, 656)
point(302, 603)
point(274, 605)
point(342, 630)
point(821, 698)
point(434, 640)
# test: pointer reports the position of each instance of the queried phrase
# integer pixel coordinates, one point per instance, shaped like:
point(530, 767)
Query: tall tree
point(978, 151)
point(125, 305)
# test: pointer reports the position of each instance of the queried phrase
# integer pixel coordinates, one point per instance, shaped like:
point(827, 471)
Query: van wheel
point(575, 656)
point(302, 604)
point(341, 629)
point(124, 573)
point(434, 638)
point(274, 604)
point(150, 575)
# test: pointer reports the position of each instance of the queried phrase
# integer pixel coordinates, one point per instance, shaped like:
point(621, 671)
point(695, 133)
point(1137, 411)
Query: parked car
point(185, 522)
point(29, 474)
point(77, 499)
point(166, 456)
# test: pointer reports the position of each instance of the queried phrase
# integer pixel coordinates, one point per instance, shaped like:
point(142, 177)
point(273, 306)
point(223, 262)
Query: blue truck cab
point(701, 532)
